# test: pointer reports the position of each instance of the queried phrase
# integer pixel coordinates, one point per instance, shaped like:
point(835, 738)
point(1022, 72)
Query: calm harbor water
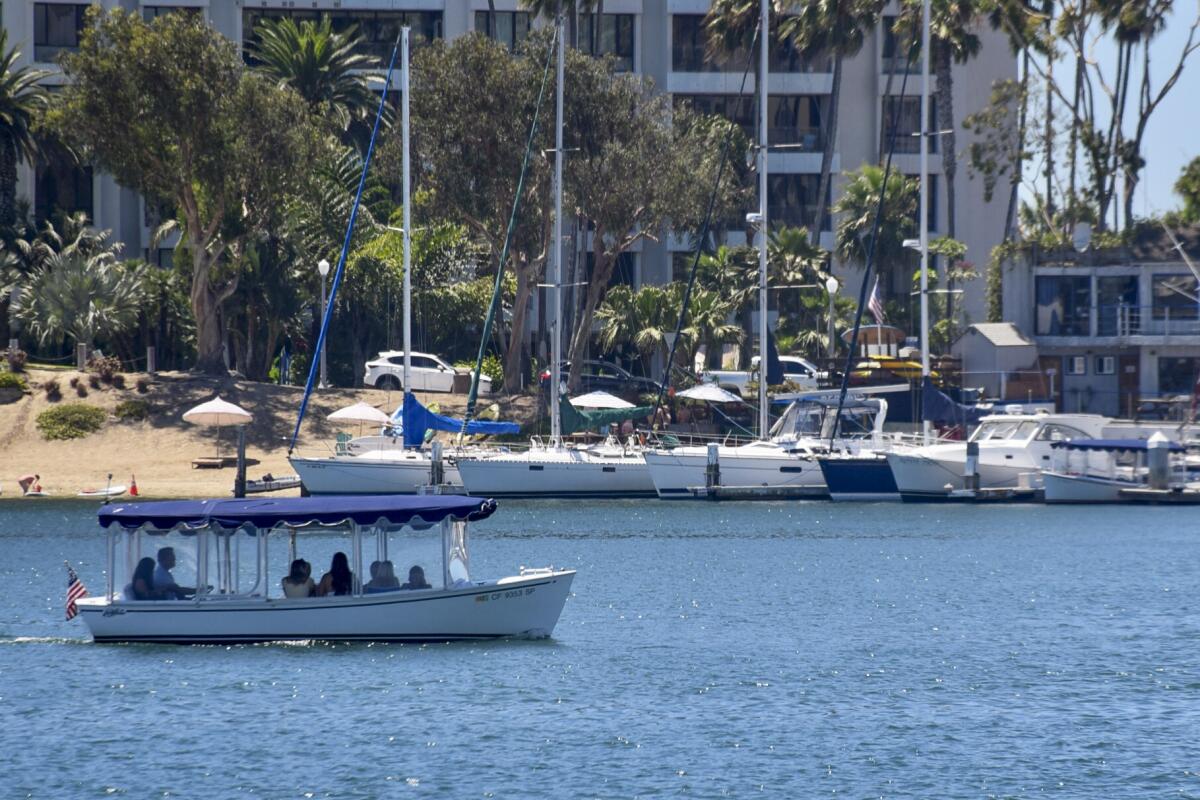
point(798, 649)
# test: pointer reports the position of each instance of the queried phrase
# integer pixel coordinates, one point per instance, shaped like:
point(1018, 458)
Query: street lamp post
point(831, 287)
point(323, 268)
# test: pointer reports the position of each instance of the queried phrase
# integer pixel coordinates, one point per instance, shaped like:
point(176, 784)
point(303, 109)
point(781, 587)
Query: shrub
point(53, 392)
point(10, 381)
point(16, 360)
point(143, 385)
point(81, 389)
point(105, 367)
point(74, 381)
point(94, 381)
point(132, 410)
point(118, 381)
point(70, 421)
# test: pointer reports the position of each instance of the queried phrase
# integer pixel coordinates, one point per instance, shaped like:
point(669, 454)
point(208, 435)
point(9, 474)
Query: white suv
point(429, 373)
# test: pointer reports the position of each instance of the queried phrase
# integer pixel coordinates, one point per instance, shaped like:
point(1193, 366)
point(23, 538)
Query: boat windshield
point(1001, 430)
point(808, 419)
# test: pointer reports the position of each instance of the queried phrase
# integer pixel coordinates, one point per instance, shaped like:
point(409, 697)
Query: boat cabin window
point(1002, 430)
point(1053, 432)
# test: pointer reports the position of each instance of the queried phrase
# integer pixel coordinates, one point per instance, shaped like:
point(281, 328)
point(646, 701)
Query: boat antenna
point(341, 264)
point(705, 229)
point(497, 289)
point(870, 260)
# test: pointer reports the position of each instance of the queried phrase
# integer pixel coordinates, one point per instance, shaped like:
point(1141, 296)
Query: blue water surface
point(707, 650)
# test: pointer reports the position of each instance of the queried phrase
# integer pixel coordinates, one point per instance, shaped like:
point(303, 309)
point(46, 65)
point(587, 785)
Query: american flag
point(75, 591)
point(875, 304)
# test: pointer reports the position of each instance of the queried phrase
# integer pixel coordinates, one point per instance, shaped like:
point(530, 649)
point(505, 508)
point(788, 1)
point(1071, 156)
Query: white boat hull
point(1062, 488)
point(565, 473)
point(924, 478)
point(527, 606)
point(388, 473)
point(678, 473)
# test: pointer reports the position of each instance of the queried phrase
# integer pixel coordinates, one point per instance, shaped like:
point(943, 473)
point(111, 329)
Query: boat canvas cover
point(938, 407)
point(1112, 444)
point(417, 419)
point(574, 419)
point(264, 514)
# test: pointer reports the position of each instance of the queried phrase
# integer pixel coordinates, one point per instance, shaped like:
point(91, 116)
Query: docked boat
point(863, 476)
point(607, 470)
point(1100, 470)
point(1012, 449)
point(784, 464)
point(237, 568)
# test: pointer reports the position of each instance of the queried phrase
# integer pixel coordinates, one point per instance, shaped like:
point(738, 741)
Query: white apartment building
point(661, 39)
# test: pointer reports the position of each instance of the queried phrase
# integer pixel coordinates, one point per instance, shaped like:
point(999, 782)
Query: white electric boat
point(240, 599)
point(1097, 470)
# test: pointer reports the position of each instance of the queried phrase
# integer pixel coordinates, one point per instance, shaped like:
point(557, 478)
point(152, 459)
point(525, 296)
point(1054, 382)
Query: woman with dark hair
point(339, 579)
point(141, 587)
point(299, 582)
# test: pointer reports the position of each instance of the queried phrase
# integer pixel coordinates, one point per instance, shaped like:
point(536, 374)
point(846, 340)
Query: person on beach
point(416, 579)
point(339, 580)
point(164, 581)
point(298, 582)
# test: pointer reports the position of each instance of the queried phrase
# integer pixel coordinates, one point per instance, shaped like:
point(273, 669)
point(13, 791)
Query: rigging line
point(862, 290)
point(497, 290)
point(341, 265)
point(705, 229)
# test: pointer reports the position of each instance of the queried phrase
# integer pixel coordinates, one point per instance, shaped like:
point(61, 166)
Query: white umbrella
point(710, 392)
point(217, 412)
point(599, 400)
point(360, 412)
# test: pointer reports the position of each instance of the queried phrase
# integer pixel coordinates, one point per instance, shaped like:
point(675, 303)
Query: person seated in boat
point(164, 581)
point(299, 583)
point(416, 579)
point(141, 587)
point(339, 580)
point(383, 578)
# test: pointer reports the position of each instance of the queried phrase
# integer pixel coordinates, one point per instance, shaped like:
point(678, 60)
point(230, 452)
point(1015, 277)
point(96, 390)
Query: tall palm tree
point(836, 28)
point(320, 64)
point(22, 100)
point(794, 258)
point(857, 208)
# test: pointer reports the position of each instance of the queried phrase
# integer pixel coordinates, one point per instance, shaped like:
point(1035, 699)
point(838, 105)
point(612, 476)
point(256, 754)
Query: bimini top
point(266, 513)
point(1112, 444)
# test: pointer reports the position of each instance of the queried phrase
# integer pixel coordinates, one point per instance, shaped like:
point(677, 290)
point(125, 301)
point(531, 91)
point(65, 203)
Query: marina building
point(661, 39)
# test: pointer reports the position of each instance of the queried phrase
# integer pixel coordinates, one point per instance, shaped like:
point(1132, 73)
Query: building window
point(614, 37)
point(507, 27)
point(56, 28)
point(690, 52)
point(1175, 297)
point(905, 112)
point(895, 53)
point(379, 29)
point(61, 185)
point(1063, 305)
point(933, 203)
point(792, 200)
point(792, 119)
point(1076, 365)
point(1106, 365)
point(1178, 375)
point(150, 13)
point(1113, 294)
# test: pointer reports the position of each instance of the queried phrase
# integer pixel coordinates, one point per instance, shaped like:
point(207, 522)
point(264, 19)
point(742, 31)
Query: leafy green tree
point(857, 209)
point(1188, 187)
point(322, 66)
point(22, 101)
point(169, 109)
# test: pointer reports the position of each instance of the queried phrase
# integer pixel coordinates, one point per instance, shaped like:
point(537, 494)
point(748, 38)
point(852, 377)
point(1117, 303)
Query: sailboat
point(552, 469)
point(387, 468)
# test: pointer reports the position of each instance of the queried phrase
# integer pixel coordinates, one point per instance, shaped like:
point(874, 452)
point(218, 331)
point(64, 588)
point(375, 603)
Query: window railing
point(798, 139)
point(1123, 320)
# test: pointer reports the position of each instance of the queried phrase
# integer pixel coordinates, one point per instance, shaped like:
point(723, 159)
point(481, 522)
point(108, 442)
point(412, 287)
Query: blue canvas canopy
point(397, 510)
point(416, 419)
point(1113, 444)
point(938, 407)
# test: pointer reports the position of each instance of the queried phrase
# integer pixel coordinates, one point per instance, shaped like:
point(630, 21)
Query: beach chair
point(341, 445)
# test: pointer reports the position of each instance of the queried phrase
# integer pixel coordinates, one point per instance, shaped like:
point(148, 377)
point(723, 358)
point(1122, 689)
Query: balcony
point(1162, 321)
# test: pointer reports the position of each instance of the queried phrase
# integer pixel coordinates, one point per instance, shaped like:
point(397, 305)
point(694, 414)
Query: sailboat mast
point(556, 244)
point(764, 38)
point(407, 219)
point(924, 213)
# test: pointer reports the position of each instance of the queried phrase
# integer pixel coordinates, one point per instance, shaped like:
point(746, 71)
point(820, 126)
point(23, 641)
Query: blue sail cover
point(417, 419)
point(938, 407)
point(265, 513)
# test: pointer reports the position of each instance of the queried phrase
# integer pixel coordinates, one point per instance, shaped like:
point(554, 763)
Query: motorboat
point(1012, 451)
point(610, 469)
point(237, 563)
point(786, 462)
point(1099, 470)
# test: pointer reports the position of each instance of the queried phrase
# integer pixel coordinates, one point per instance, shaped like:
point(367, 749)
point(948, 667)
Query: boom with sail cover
point(417, 419)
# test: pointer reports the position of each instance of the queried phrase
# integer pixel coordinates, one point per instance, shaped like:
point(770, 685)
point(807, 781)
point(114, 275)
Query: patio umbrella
point(361, 413)
point(710, 392)
point(599, 400)
point(217, 412)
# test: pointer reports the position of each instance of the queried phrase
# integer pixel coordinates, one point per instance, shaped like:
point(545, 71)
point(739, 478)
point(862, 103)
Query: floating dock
point(1176, 496)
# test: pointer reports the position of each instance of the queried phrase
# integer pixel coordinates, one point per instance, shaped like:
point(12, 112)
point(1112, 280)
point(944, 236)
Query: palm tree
point(837, 28)
point(857, 209)
point(22, 100)
point(731, 272)
point(81, 297)
point(708, 322)
point(794, 258)
point(643, 318)
point(320, 64)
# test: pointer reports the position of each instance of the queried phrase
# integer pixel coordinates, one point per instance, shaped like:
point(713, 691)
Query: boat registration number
point(505, 595)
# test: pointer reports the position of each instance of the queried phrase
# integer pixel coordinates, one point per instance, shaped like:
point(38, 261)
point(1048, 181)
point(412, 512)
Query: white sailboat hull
point(676, 473)
point(527, 606)
point(557, 473)
point(389, 473)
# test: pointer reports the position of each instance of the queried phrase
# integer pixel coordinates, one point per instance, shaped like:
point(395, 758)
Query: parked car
point(797, 370)
point(429, 373)
point(603, 376)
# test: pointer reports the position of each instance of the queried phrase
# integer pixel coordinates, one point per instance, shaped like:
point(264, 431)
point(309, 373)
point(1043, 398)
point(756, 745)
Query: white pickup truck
point(797, 370)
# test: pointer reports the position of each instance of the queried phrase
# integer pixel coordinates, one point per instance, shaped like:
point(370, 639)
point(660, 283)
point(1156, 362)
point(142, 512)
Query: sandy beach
point(159, 450)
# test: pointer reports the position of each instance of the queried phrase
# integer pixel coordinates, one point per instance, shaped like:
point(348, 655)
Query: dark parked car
point(602, 376)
